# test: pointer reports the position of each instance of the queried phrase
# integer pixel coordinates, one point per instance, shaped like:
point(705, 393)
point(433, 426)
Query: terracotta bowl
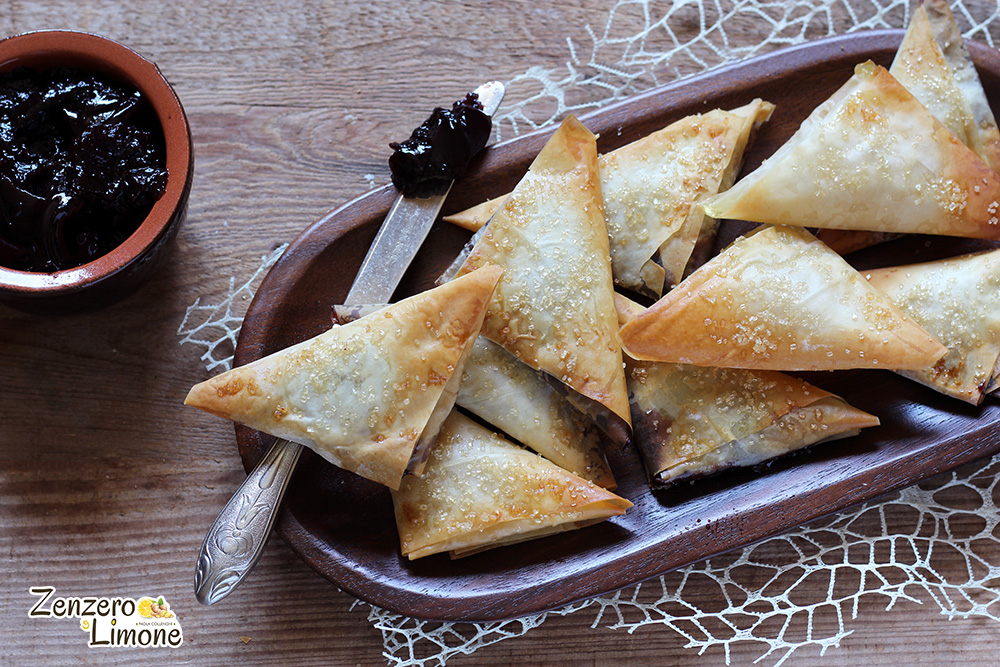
point(123, 269)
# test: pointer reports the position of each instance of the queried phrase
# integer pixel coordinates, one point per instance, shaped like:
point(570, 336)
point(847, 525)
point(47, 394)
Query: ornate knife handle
point(236, 540)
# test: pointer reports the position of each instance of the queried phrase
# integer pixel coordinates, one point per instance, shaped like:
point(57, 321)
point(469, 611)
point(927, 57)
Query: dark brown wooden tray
point(343, 525)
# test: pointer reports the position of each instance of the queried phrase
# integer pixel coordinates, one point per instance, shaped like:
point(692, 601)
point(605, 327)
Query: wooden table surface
point(107, 482)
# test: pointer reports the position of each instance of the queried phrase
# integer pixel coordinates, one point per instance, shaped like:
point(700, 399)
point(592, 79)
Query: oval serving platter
point(343, 525)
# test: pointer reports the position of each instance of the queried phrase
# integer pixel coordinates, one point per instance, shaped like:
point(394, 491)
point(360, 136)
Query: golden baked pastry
point(692, 421)
point(650, 189)
point(522, 403)
point(934, 65)
point(519, 401)
point(480, 491)
point(982, 135)
point(554, 307)
point(778, 299)
point(475, 217)
point(368, 396)
point(921, 67)
point(956, 301)
point(870, 157)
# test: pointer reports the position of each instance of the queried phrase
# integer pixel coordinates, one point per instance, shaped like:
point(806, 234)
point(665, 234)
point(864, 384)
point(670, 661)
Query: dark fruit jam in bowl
point(82, 162)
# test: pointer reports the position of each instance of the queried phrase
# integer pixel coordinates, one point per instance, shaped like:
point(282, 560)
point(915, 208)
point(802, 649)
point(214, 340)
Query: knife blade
point(235, 541)
point(404, 230)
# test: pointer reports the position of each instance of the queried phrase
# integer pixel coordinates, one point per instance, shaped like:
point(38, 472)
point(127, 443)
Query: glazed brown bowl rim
point(111, 57)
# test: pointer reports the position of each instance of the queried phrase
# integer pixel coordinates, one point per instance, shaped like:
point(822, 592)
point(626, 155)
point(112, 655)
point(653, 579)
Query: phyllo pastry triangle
point(475, 217)
point(921, 67)
point(520, 402)
point(778, 299)
point(982, 134)
point(693, 421)
point(554, 307)
point(957, 301)
point(870, 157)
point(480, 491)
point(934, 65)
point(368, 396)
point(650, 189)
point(523, 404)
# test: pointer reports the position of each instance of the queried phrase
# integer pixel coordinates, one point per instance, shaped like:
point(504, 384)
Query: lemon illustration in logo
point(145, 607)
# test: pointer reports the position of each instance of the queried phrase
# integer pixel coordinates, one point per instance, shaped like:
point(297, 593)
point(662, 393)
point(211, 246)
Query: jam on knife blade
point(439, 150)
point(408, 223)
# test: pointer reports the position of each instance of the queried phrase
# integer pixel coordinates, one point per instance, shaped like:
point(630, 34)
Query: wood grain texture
point(107, 483)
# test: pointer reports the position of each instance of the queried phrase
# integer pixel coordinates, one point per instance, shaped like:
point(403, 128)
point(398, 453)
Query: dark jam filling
point(82, 162)
point(439, 150)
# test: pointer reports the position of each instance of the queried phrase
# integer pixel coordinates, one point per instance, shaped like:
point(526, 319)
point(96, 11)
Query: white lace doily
point(894, 549)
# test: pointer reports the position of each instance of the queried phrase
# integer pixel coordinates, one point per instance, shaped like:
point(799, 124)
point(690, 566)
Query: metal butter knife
point(236, 540)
